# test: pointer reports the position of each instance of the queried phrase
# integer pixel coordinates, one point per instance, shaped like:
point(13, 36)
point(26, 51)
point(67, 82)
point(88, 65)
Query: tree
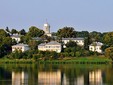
point(35, 32)
point(2, 33)
point(66, 32)
point(7, 29)
point(33, 44)
point(14, 31)
point(109, 53)
point(71, 44)
point(95, 36)
point(22, 32)
point(46, 38)
point(25, 39)
point(82, 34)
point(5, 45)
point(108, 38)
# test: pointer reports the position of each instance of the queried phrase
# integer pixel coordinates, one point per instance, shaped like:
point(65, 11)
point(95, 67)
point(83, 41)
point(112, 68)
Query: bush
point(78, 54)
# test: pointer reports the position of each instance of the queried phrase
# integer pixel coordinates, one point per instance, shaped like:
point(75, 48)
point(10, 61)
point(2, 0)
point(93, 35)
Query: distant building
point(47, 29)
point(37, 38)
point(79, 41)
point(22, 47)
point(51, 46)
point(16, 37)
point(96, 47)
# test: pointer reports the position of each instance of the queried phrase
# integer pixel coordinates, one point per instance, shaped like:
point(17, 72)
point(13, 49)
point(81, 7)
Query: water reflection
point(55, 75)
point(95, 77)
point(49, 78)
point(19, 78)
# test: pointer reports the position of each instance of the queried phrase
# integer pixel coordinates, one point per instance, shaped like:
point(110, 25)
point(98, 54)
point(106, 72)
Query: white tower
point(47, 29)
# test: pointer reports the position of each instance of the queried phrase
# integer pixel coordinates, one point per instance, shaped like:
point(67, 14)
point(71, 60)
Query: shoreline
point(79, 60)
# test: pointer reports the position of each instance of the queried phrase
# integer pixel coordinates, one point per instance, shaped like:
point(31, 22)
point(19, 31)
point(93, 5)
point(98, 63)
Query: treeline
point(72, 50)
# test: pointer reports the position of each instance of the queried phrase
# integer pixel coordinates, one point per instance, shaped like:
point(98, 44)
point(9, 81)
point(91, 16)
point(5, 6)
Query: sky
point(82, 15)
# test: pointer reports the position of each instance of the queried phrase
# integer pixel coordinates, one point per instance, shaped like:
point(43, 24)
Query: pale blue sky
point(86, 15)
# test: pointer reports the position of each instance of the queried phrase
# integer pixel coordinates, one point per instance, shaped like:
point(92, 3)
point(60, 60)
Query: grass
point(80, 60)
point(67, 60)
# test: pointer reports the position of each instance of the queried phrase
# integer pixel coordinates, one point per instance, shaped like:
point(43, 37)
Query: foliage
point(33, 44)
point(14, 31)
point(2, 33)
point(46, 38)
point(5, 43)
point(95, 36)
point(35, 32)
point(71, 44)
point(109, 53)
point(25, 39)
point(7, 29)
point(22, 32)
point(66, 32)
point(82, 34)
point(108, 38)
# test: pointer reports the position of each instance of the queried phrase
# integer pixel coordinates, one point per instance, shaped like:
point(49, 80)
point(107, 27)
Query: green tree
point(35, 32)
point(95, 36)
point(14, 31)
point(82, 34)
point(33, 44)
point(66, 32)
point(109, 53)
point(25, 39)
point(2, 33)
point(22, 32)
point(108, 38)
point(7, 29)
point(71, 44)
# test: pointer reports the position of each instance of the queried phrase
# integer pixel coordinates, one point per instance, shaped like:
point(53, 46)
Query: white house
point(79, 41)
point(96, 46)
point(16, 37)
point(22, 47)
point(51, 46)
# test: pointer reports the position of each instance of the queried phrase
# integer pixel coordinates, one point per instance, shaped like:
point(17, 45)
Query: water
point(33, 74)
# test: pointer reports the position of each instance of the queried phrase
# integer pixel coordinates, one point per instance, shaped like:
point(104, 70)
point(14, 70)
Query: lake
point(47, 74)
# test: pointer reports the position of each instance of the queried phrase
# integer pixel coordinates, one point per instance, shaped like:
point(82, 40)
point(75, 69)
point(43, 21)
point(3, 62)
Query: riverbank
point(67, 60)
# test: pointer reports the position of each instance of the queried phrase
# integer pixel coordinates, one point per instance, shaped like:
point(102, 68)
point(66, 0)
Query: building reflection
point(95, 77)
point(19, 78)
point(49, 78)
point(77, 81)
point(57, 78)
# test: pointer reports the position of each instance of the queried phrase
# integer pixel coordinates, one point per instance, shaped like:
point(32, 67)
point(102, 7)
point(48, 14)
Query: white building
point(47, 29)
point(51, 46)
point(22, 47)
point(79, 41)
point(96, 46)
point(16, 37)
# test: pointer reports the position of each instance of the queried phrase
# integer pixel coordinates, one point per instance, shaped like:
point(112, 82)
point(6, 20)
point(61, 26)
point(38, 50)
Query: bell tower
point(47, 29)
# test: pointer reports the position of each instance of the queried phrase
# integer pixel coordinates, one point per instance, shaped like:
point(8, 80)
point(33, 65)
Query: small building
point(22, 47)
point(96, 47)
point(79, 41)
point(16, 37)
point(51, 46)
point(37, 38)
